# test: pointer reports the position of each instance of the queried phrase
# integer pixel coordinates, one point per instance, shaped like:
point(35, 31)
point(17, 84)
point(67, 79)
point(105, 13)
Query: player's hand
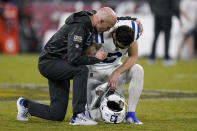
point(141, 27)
point(113, 80)
point(100, 54)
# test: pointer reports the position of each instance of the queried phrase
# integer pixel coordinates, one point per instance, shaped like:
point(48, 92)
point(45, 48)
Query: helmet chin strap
point(100, 91)
point(125, 103)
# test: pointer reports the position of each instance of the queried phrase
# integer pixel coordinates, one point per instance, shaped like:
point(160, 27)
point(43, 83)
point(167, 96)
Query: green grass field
point(168, 101)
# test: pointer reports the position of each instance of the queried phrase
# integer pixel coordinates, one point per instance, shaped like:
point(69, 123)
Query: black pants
point(162, 23)
point(195, 40)
point(59, 73)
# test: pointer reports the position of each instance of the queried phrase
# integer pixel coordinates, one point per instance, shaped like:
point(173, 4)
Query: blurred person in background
point(188, 46)
point(163, 11)
point(8, 27)
point(62, 59)
point(30, 39)
point(190, 39)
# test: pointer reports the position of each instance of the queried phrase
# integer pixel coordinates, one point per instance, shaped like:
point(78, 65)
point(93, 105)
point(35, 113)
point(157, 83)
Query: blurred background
point(25, 26)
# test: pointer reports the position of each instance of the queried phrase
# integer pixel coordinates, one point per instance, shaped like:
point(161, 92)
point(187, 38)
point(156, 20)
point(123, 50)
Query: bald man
point(104, 19)
point(62, 59)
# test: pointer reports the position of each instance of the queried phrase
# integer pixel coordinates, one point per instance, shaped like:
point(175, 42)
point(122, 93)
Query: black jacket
point(71, 40)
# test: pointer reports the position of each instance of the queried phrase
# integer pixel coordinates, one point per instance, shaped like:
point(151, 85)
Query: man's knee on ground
point(57, 116)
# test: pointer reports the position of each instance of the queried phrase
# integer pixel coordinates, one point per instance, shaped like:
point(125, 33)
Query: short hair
point(125, 35)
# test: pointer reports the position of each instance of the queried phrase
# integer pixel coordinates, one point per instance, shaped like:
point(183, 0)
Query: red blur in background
point(9, 29)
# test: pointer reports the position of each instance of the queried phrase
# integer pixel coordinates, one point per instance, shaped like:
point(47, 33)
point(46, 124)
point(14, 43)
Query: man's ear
point(101, 21)
point(114, 34)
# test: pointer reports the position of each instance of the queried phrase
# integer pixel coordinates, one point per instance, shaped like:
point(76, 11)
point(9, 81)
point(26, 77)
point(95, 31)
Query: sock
point(75, 114)
point(131, 114)
point(135, 87)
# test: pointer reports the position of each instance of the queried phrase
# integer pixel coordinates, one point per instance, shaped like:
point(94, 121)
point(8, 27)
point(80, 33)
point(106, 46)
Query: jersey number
point(113, 118)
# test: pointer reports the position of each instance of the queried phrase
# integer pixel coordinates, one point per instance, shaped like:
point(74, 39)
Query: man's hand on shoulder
point(141, 27)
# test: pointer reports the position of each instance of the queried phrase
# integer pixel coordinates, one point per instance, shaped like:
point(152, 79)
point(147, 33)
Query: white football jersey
point(114, 54)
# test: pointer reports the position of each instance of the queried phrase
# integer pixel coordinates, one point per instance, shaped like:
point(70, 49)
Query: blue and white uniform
point(114, 54)
point(100, 73)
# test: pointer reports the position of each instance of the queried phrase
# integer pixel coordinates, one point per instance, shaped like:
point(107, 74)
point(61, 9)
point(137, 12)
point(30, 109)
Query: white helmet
point(112, 107)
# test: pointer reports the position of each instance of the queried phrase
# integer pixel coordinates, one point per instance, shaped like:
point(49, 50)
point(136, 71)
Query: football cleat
point(88, 114)
point(22, 111)
point(131, 118)
point(81, 119)
point(151, 61)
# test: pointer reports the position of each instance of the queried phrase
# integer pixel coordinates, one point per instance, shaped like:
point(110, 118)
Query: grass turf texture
point(19, 76)
point(156, 115)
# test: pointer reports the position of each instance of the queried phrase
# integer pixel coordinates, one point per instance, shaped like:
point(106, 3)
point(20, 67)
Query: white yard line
point(148, 99)
point(188, 95)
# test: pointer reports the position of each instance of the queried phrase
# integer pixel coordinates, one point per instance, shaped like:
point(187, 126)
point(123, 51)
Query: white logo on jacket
point(77, 38)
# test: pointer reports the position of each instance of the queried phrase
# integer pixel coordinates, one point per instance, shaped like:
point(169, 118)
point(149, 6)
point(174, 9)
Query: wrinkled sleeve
point(76, 41)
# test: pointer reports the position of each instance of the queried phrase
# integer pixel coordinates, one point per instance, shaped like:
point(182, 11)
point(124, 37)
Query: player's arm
point(133, 57)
